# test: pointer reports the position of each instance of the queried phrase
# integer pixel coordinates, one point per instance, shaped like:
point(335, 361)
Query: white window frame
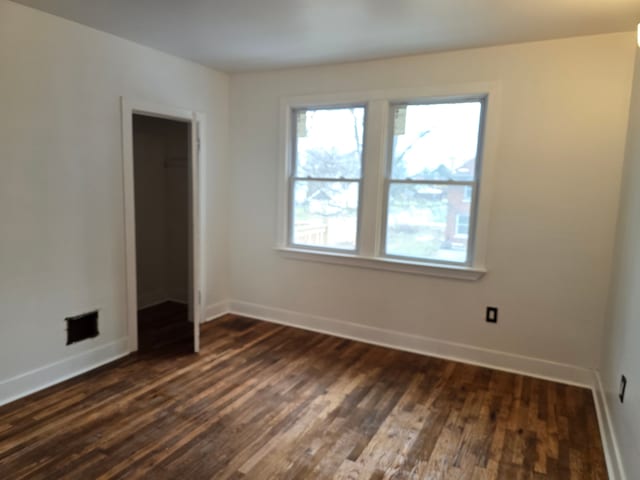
point(473, 184)
point(292, 178)
point(371, 214)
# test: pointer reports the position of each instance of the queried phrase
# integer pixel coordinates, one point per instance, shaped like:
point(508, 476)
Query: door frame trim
point(129, 107)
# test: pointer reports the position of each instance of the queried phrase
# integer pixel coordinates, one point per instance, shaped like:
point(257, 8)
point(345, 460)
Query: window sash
point(393, 106)
point(474, 183)
point(291, 221)
point(472, 220)
point(293, 178)
point(294, 136)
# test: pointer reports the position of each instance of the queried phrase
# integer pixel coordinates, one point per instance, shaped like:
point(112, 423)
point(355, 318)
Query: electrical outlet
point(492, 314)
point(623, 387)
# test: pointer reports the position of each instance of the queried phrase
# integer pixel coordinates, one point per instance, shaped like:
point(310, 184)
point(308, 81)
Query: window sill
point(388, 264)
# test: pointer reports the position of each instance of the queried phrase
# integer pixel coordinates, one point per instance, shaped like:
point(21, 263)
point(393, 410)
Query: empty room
point(320, 240)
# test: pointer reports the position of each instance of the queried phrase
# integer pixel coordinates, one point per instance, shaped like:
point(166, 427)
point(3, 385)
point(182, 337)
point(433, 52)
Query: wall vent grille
point(82, 327)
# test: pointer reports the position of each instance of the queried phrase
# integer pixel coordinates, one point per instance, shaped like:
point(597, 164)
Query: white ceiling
point(238, 35)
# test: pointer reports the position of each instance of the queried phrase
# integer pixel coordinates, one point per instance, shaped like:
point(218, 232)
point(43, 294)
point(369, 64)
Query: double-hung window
point(326, 175)
point(404, 198)
point(432, 180)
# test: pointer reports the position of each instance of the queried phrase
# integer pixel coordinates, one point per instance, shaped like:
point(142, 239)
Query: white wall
point(61, 188)
point(621, 334)
point(161, 155)
point(560, 151)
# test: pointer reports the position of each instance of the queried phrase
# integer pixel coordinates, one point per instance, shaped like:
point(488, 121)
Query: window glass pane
point(435, 142)
point(462, 224)
point(325, 214)
point(468, 194)
point(427, 222)
point(329, 142)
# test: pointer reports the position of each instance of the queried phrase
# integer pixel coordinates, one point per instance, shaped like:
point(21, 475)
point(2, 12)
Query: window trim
point(455, 271)
point(372, 198)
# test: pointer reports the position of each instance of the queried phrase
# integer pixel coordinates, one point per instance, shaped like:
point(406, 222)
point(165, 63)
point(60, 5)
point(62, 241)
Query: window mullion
point(372, 187)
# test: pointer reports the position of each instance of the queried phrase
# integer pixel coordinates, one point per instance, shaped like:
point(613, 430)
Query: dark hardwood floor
point(165, 328)
point(264, 401)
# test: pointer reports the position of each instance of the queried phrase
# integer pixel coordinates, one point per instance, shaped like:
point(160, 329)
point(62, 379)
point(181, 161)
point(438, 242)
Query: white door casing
point(196, 122)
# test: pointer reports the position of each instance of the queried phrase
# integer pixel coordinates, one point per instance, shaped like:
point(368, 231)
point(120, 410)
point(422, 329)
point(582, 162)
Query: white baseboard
point(216, 310)
point(43, 377)
point(607, 433)
point(534, 367)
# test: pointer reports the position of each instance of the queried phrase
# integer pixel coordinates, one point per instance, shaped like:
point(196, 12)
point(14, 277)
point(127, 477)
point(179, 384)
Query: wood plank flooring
point(263, 401)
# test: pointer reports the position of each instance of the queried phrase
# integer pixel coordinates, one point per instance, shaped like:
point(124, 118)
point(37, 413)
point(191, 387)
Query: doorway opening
point(161, 154)
point(161, 186)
